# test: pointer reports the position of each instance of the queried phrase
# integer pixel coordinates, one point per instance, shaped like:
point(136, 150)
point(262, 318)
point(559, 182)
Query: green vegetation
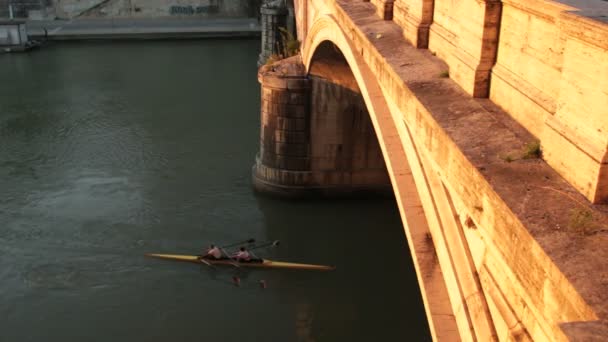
point(508, 158)
point(581, 221)
point(273, 58)
point(287, 46)
point(532, 150)
point(290, 45)
point(444, 74)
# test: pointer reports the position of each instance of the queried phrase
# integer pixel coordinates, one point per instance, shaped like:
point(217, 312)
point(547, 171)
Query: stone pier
point(491, 117)
point(316, 135)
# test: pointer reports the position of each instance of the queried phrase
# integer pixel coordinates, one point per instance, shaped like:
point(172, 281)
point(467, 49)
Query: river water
point(112, 150)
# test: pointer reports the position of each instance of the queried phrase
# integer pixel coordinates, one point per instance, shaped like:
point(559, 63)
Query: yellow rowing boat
point(265, 263)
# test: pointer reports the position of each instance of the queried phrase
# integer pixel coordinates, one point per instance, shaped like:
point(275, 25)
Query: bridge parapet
point(384, 8)
point(415, 18)
point(468, 45)
point(501, 230)
point(550, 75)
point(544, 62)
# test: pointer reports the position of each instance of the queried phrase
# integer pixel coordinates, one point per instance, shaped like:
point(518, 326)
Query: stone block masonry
point(415, 18)
point(316, 137)
point(550, 77)
point(542, 61)
point(23, 8)
point(283, 161)
point(272, 19)
point(512, 242)
point(384, 8)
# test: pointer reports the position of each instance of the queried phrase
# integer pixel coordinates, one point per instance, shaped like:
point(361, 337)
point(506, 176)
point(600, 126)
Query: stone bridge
point(489, 121)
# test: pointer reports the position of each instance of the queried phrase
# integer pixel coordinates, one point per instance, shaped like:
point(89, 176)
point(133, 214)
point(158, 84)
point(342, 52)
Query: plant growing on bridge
point(581, 221)
point(273, 58)
point(507, 157)
point(532, 150)
point(291, 46)
point(287, 46)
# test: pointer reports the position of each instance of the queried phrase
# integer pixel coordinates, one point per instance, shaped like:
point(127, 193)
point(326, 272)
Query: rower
point(242, 255)
point(213, 252)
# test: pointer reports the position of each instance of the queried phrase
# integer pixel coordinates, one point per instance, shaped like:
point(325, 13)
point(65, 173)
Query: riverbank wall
point(138, 9)
point(112, 29)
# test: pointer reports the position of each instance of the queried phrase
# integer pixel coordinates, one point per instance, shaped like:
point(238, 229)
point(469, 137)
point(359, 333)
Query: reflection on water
point(110, 151)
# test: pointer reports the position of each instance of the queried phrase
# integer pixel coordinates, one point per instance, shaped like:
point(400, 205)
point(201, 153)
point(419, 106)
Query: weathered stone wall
point(316, 137)
point(344, 147)
point(576, 138)
point(272, 20)
point(24, 8)
point(529, 60)
point(175, 8)
point(283, 162)
point(415, 18)
point(384, 8)
point(515, 264)
point(550, 75)
point(468, 45)
point(542, 61)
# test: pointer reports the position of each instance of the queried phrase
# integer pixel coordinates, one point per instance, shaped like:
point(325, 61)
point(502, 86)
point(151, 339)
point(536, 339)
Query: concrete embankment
point(183, 9)
point(86, 29)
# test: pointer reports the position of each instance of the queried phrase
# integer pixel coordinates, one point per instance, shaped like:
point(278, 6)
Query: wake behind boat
point(261, 263)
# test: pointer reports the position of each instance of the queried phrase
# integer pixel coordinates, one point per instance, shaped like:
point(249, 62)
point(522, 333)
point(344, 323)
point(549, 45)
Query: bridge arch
point(402, 168)
point(470, 216)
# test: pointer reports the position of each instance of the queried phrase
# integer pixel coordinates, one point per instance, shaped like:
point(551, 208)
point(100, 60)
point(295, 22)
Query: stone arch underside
point(453, 312)
point(343, 143)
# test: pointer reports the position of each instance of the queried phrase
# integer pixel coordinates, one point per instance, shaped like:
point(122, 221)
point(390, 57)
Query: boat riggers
point(222, 250)
point(266, 244)
point(248, 241)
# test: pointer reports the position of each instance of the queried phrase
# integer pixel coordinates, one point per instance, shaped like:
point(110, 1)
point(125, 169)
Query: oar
point(235, 264)
point(238, 243)
point(229, 257)
point(232, 245)
point(222, 249)
point(202, 259)
point(267, 244)
point(205, 262)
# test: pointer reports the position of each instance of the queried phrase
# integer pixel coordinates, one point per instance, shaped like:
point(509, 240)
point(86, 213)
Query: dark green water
point(110, 151)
